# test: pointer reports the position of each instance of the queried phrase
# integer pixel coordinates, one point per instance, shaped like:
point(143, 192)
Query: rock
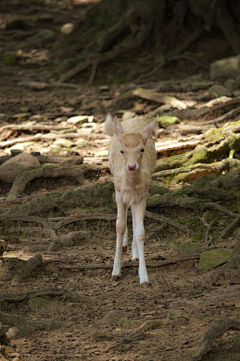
point(67, 28)
point(174, 313)
point(210, 259)
point(75, 159)
point(78, 119)
point(64, 142)
point(231, 84)
point(198, 85)
point(102, 153)
point(217, 91)
point(116, 314)
point(165, 86)
point(166, 121)
point(81, 143)
point(15, 152)
point(225, 68)
point(128, 115)
point(10, 169)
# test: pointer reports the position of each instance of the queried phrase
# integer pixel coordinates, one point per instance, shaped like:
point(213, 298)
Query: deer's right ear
point(118, 129)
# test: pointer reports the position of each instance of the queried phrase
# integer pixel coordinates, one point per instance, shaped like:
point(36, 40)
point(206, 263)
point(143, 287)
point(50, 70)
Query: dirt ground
point(116, 321)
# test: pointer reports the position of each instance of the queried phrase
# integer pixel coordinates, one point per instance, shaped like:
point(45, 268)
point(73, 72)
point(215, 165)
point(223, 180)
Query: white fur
point(131, 146)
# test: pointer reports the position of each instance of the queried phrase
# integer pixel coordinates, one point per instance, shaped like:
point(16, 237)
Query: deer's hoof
point(144, 285)
point(124, 249)
point(115, 278)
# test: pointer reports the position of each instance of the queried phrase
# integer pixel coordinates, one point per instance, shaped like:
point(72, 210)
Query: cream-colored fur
point(132, 158)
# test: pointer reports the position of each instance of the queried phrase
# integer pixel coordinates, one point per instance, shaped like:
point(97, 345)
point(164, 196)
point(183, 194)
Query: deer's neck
point(132, 179)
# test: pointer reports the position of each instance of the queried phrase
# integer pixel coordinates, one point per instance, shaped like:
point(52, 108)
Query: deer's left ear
point(118, 129)
point(147, 132)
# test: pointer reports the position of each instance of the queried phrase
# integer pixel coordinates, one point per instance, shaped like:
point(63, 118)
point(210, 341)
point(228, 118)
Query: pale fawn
point(132, 158)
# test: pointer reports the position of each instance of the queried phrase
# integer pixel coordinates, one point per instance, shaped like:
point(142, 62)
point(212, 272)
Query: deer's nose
point(132, 166)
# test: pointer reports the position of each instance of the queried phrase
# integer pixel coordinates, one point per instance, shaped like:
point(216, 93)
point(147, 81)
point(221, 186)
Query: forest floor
point(67, 307)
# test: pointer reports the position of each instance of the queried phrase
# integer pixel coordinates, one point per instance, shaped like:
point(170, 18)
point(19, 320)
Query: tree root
point(133, 336)
point(17, 269)
point(83, 217)
point(23, 326)
point(132, 264)
point(229, 228)
point(208, 236)
point(49, 292)
point(166, 220)
point(218, 328)
point(22, 179)
point(70, 239)
point(131, 43)
point(157, 97)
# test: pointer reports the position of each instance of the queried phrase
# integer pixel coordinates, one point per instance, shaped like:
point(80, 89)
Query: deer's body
point(132, 158)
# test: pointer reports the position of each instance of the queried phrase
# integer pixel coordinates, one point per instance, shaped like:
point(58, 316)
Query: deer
point(132, 158)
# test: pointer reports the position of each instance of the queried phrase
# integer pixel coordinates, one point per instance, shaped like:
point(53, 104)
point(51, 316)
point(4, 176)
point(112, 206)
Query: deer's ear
point(147, 132)
point(118, 129)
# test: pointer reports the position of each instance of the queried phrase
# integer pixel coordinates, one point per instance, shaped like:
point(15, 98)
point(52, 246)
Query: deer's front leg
point(121, 225)
point(138, 211)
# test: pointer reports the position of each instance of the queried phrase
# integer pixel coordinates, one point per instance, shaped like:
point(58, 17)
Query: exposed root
point(218, 328)
point(208, 236)
point(149, 264)
point(24, 326)
point(22, 179)
point(133, 336)
point(83, 217)
point(166, 220)
point(49, 292)
point(229, 228)
point(70, 239)
point(133, 42)
point(17, 269)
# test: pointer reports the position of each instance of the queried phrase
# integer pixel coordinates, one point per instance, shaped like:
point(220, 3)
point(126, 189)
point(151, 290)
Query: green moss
point(214, 257)
point(55, 165)
point(166, 121)
point(8, 60)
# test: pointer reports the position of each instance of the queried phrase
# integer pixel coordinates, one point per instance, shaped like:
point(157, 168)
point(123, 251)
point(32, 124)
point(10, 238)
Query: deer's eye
point(142, 150)
point(121, 151)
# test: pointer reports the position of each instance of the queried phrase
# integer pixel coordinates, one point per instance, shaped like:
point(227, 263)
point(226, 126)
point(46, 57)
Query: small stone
point(128, 115)
point(67, 28)
point(15, 152)
point(174, 313)
point(167, 120)
point(78, 119)
point(64, 142)
point(217, 91)
point(225, 68)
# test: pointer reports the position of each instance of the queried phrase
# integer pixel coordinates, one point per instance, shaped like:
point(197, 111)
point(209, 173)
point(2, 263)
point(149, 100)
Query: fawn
point(132, 158)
